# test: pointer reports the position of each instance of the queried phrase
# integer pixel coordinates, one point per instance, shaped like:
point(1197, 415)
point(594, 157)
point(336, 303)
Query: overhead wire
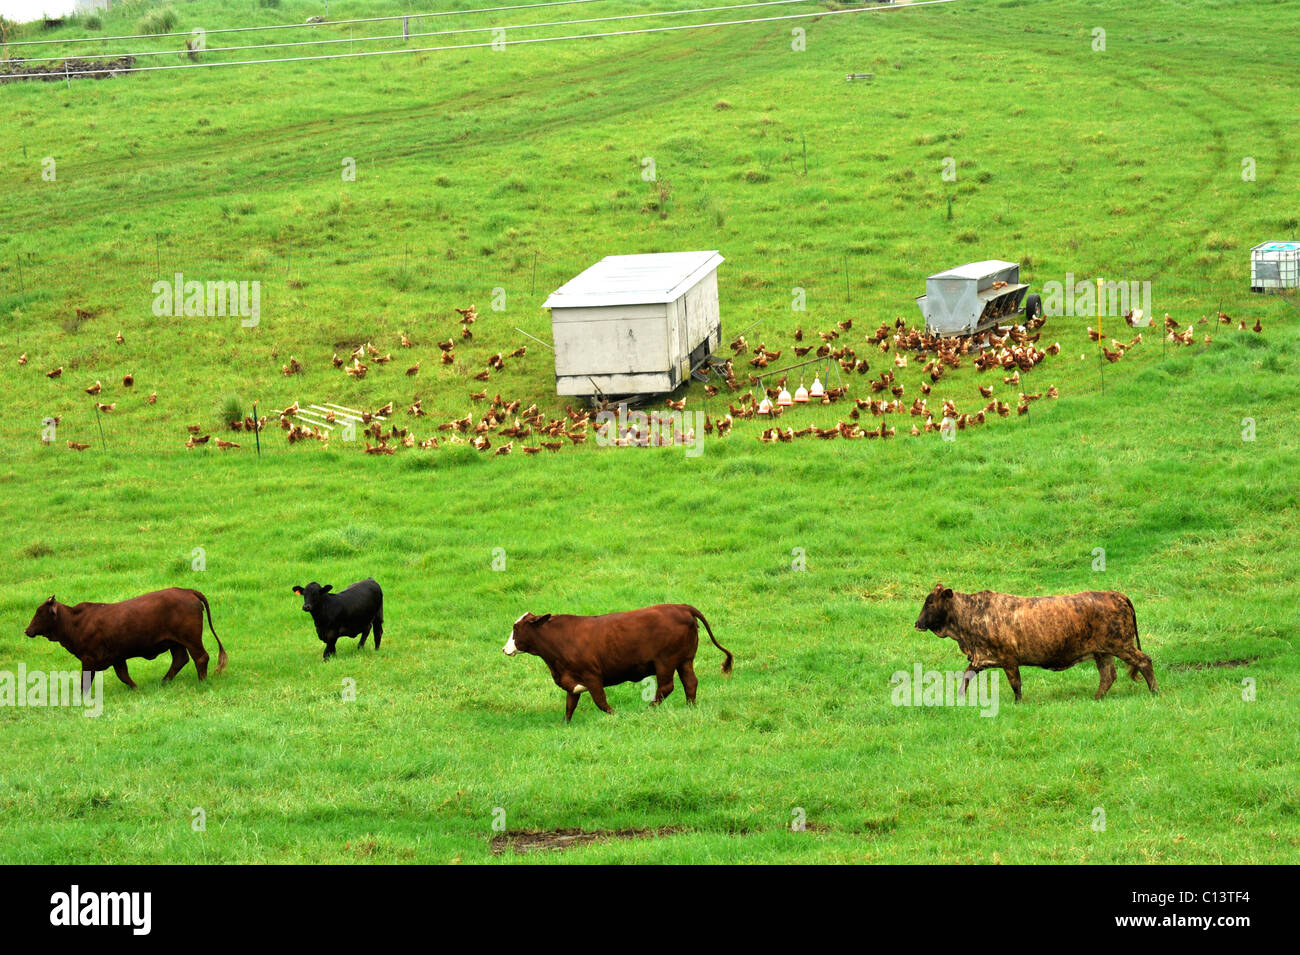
point(403, 36)
point(497, 44)
point(295, 26)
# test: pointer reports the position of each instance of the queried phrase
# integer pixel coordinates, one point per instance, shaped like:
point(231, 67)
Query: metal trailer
point(971, 298)
point(1275, 266)
point(635, 325)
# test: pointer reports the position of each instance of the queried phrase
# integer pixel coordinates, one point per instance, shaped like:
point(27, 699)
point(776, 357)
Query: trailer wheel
point(1033, 306)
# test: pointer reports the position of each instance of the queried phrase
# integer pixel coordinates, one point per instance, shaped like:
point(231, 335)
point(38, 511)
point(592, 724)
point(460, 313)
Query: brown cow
point(1001, 630)
point(591, 653)
point(107, 635)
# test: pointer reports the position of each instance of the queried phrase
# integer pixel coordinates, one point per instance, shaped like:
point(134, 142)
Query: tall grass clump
point(162, 20)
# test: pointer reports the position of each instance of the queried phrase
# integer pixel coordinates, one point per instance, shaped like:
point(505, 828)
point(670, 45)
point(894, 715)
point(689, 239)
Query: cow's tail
point(726, 664)
point(1133, 671)
point(221, 650)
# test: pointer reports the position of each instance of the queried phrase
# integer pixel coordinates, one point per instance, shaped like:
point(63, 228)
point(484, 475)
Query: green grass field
point(485, 174)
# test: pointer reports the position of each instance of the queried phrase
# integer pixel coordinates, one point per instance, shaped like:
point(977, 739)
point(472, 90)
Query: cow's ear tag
point(297, 590)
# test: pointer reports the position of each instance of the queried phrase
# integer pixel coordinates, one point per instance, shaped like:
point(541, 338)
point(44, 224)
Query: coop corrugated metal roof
point(974, 270)
point(645, 279)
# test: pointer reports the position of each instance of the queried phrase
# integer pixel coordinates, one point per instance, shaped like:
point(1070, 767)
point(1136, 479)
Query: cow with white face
point(587, 654)
point(510, 649)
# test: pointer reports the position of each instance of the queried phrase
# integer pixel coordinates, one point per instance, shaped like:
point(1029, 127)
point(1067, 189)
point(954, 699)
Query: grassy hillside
point(513, 170)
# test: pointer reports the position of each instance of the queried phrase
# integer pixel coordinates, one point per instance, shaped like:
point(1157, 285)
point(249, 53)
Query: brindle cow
point(1002, 630)
point(591, 653)
point(107, 635)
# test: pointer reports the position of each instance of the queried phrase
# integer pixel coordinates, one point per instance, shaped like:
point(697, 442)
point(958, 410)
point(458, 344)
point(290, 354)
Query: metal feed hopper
point(635, 324)
point(971, 298)
point(1275, 266)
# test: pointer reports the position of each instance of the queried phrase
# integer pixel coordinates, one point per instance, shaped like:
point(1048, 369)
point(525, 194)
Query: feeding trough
point(635, 326)
point(971, 298)
point(329, 416)
point(1275, 266)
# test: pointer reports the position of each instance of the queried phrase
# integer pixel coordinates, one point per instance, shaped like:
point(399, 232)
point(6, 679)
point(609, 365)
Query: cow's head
point(934, 614)
point(312, 595)
point(46, 621)
point(521, 636)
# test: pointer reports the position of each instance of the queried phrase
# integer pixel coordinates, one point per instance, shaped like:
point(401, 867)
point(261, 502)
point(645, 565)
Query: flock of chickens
point(503, 425)
point(94, 390)
point(529, 427)
point(531, 431)
point(1172, 334)
point(1013, 351)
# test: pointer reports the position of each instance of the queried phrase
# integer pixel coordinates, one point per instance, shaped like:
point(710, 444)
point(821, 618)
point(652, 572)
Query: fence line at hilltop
point(471, 11)
point(498, 42)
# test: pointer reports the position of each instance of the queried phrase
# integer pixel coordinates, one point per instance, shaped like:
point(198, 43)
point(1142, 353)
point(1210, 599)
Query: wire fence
point(408, 34)
point(125, 62)
point(313, 23)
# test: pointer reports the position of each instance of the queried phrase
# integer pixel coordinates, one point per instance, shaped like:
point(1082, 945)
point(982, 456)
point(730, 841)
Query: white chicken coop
point(635, 325)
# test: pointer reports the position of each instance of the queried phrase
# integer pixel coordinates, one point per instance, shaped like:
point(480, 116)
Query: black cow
point(348, 613)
